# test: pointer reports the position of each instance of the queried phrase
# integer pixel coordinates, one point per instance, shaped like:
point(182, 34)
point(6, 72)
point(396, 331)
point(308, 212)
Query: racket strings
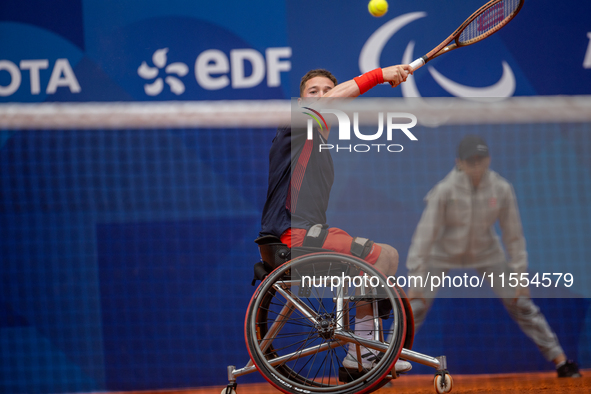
point(489, 21)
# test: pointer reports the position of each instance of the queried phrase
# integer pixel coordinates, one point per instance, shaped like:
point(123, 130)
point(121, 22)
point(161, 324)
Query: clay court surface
point(539, 382)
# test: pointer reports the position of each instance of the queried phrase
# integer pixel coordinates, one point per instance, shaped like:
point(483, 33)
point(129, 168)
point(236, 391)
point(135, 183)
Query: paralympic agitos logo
point(344, 133)
point(369, 59)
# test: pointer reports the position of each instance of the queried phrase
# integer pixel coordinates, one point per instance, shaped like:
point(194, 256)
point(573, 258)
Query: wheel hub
point(325, 325)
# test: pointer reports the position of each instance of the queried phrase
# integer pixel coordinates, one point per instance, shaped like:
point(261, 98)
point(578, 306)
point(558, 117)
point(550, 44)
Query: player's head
point(316, 83)
point(473, 157)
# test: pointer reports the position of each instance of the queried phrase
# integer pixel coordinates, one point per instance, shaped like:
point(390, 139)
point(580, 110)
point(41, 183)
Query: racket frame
point(451, 42)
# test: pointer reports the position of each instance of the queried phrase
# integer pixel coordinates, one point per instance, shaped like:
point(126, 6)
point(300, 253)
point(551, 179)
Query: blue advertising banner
point(75, 50)
point(126, 253)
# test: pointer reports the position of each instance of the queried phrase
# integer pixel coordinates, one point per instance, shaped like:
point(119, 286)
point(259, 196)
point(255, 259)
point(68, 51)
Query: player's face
point(317, 87)
point(474, 167)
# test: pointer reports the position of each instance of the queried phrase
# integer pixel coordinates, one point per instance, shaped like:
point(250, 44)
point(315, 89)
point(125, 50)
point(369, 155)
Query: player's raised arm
point(395, 75)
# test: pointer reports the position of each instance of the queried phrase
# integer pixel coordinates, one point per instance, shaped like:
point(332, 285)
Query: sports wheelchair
point(299, 324)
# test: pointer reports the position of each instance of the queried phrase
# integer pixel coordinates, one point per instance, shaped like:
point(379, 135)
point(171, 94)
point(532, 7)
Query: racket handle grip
point(417, 63)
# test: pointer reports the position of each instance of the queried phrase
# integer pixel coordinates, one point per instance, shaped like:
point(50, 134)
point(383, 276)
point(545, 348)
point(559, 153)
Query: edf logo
point(214, 71)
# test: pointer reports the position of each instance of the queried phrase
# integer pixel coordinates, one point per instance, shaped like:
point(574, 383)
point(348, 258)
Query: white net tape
point(270, 113)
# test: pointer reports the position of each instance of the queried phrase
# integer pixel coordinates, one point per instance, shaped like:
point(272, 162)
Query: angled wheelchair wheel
point(300, 324)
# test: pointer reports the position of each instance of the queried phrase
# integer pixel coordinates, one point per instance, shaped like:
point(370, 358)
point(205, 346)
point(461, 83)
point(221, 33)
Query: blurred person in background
point(456, 230)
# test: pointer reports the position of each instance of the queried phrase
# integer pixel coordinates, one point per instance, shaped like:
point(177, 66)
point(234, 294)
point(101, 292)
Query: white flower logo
point(159, 59)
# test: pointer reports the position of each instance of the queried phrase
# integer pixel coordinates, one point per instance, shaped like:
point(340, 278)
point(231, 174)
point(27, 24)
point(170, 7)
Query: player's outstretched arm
point(395, 75)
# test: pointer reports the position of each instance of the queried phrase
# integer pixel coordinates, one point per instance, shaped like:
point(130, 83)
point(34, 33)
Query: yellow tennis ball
point(377, 7)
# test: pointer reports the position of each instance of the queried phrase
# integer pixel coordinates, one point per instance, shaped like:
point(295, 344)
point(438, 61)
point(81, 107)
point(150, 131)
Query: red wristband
point(369, 80)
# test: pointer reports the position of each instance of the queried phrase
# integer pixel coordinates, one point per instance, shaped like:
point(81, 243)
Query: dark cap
point(472, 145)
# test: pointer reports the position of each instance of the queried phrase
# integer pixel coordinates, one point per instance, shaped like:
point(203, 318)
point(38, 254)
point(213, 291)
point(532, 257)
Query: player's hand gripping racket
point(487, 20)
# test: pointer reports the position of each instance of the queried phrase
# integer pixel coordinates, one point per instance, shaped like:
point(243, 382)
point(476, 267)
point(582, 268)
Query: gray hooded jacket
point(457, 229)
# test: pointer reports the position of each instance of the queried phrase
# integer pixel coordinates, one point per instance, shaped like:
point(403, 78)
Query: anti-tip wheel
point(443, 385)
point(230, 391)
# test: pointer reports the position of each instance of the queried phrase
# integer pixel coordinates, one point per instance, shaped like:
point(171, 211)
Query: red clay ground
point(539, 382)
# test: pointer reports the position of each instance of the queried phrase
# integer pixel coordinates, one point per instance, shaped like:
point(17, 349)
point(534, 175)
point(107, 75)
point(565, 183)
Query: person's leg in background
point(532, 322)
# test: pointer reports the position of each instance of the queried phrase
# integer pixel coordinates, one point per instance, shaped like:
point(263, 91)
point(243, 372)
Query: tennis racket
point(487, 20)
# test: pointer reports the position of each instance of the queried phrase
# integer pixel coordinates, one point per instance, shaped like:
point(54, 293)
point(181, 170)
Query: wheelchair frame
point(329, 325)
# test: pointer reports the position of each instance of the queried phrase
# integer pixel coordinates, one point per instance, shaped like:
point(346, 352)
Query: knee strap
point(360, 247)
point(316, 236)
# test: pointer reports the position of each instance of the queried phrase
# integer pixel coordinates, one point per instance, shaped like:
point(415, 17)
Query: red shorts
point(336, 240)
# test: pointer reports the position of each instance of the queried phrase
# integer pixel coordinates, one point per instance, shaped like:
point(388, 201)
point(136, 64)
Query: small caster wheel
point(443, 383)
point(230, 389)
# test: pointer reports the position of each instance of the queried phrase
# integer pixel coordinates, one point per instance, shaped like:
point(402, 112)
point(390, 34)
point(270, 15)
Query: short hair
point(319, 72)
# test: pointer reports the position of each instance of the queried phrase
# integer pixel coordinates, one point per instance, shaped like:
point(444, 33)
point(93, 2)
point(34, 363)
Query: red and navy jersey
point(300, 180)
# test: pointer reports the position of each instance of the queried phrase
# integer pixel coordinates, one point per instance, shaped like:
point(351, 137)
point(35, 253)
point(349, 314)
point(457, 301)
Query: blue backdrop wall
point(127, 254)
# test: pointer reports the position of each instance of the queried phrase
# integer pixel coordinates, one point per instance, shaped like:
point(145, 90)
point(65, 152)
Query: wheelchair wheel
point(300, 324)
